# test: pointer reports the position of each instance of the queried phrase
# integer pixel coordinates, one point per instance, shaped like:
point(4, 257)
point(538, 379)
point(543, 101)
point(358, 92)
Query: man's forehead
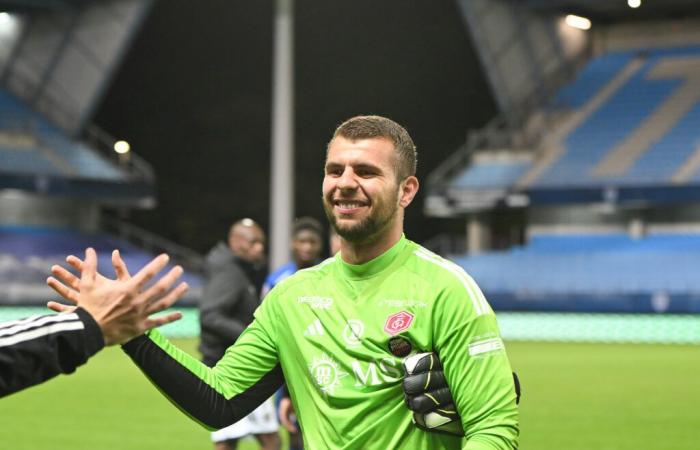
point(360, 150)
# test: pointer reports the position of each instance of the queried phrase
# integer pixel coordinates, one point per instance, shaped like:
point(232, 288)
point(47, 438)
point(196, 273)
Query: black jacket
point(228, 302)
point(34, 349)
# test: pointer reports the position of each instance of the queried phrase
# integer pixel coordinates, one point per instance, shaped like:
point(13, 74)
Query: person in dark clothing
point(108, 312)
point(230, 297)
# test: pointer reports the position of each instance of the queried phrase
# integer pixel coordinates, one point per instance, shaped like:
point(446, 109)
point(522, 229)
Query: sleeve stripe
point(40, 332)
point(19, 326)
point(475, 295)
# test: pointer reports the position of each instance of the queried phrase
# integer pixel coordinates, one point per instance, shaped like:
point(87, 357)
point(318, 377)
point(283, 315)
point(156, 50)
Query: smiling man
point(339, 331)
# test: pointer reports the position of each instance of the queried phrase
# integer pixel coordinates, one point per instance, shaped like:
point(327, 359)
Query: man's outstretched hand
point(118, 306)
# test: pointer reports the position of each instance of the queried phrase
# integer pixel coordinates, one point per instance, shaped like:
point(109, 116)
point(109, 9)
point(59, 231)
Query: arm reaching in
point(214, 397)
point(35, 349)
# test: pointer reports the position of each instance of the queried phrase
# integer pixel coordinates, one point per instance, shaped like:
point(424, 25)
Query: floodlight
point(578, 22)
point(122, 147)
point(634, 3)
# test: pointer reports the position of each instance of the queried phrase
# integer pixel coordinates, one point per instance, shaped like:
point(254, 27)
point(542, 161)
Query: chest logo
point(317, 302)
point(398, 322)
point(352, 334)
point(315, 329)
point(326, 373)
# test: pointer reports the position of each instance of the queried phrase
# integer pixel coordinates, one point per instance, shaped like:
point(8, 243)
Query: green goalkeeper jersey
point(327, 329)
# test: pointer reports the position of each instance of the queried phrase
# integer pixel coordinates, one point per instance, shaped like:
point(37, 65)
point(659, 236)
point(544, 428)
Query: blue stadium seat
point(588, 144)
point(608, 266)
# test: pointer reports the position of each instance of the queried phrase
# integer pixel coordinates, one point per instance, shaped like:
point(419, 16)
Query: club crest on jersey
point(317, 302)
point(398, 322)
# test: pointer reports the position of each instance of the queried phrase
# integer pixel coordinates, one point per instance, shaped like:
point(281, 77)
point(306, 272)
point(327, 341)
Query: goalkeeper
point(340, 331)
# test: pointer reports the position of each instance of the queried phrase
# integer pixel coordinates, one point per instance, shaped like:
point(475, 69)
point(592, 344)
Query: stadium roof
point(609, 10)
point(35, 5)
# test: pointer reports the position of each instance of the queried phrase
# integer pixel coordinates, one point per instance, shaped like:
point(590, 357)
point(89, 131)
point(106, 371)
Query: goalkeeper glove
point(428, 395)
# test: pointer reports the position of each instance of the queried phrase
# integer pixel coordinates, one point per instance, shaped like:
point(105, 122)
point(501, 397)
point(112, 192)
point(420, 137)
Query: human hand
point(118, 306)
point(287, 413)
point(69, 286)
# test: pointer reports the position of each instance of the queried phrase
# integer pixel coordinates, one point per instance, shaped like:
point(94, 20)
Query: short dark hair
point(307, 223)
point(367, 127)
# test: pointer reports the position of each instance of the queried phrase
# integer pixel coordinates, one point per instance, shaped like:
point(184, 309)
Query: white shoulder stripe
point(40, 332)
point(479, 302)
point(18, 326)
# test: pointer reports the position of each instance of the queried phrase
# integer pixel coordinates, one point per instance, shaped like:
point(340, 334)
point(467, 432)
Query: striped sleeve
point(35, 349)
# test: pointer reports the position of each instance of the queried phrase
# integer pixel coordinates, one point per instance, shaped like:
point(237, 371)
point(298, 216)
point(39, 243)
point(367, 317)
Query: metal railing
point(144, 239)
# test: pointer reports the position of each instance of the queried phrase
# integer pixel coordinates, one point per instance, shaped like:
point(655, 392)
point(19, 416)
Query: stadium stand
point(58, 172)
point(604, 216)
point(27, 254)
point(597, 272)
point(642, 135)
point(46, 149)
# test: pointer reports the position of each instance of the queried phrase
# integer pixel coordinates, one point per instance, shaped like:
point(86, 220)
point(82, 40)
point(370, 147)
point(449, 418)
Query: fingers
point(66, 277)
point(162, 320)
point(62, 290)
point(285, 411)
point(149, 270)
point(167, 301)
point(60, 307)
point(161, 287)
point(120, 266)
point(75, 262)
point(89, 272)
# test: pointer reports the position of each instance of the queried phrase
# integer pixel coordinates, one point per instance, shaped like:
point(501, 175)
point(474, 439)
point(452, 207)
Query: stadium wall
point(647, 35)
point(24, 209)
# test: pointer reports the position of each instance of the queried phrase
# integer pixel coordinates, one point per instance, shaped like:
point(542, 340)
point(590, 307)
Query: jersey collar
point(374, 266)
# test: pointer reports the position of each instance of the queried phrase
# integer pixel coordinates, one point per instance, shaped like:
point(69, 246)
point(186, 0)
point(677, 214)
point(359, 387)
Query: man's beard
point(368, 227)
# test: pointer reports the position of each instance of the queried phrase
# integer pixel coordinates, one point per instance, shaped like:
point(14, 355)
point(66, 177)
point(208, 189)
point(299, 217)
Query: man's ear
point(408, 190)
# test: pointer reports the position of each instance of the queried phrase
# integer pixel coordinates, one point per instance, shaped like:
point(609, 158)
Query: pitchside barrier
point(516, 326)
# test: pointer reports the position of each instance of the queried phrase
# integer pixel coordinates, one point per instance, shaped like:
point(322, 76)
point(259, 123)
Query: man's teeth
point(349, 205)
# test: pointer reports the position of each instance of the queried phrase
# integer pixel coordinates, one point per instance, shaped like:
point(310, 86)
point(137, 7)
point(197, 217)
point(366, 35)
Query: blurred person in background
point(307, 242)
point(230, 297)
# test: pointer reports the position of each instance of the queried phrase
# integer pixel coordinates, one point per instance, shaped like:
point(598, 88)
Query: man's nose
point(347, 179)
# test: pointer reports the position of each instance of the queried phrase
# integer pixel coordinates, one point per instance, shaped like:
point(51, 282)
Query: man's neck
point(360, 253)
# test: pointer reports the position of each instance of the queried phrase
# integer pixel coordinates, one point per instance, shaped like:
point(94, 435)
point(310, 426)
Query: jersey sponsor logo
point(315, 329)
point(385, 370)
point(393, 303)
point(485, 346)
point(317, 302)
point(326, 373)
point(396, 323)
point(352, 334)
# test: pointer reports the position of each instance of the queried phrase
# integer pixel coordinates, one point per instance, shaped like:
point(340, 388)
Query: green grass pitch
point(576, 396)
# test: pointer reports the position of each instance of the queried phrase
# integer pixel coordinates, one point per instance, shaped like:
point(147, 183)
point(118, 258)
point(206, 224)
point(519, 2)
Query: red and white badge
point(396, 323)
